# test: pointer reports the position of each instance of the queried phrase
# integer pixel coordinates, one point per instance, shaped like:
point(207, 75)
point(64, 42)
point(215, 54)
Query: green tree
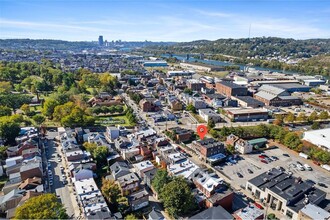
point(3, 152)
point(110, 190)
point(177, 197)
point(230, 149)
point(100, 154)
point(324, 115)
point(188, 91)
point(210, 124)
point(5, 111)
point(9, 129)
point(302, 117)
point(290, 117)
point(49, 107)
point(25, 108)
point(291, 140)
point(123, 204)
point(38, 119)
point(315, 125)
point(313, 116)
point(44, 206)
point(160, 180)
point(131, 217)
point(191, 108)
point(5, 87)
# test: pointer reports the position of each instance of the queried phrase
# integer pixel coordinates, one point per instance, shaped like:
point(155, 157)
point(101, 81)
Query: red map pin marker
point(201, 131)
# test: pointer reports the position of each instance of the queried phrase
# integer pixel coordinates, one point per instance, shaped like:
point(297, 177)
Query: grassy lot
point(198, 118)
point(114, 120)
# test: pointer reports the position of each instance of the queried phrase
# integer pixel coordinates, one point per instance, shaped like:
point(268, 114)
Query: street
point(64, 192)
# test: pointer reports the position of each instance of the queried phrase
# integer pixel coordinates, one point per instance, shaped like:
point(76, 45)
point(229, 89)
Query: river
point(222, 63)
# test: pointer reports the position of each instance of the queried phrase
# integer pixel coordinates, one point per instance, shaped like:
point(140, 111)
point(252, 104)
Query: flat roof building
point(320, 138)
point(247, 114)
point(283, 192)
point(230, 89)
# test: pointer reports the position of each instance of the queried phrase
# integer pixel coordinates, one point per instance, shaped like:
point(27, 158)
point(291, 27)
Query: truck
point(303, 155)
point(326, 167)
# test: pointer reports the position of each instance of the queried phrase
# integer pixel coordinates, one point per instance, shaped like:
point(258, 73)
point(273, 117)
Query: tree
point(210, 124)
point(301, 117)
point(160, 180)
point(230, 149)
point(49, 106)
point(291, 140)
point(3, 152)
point(9, 129)
point(14, 101)
point(191, 108)
point(131, 217)
point(38, 119)
point(44, 206)
point(315, 125)
point(25, 108)
point(324, 115)
point(5, 87)
point(313, 116)
point(188, 91)
point(5, 111)
point(110, 190)
point(177, 197)
point(123, 204)
point(290, 117)
point(100, 154)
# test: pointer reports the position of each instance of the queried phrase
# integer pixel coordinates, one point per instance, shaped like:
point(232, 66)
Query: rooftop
point(209, 143)
point(217, 212)
point(231, 85)
point(250, 212)
point(315, 212)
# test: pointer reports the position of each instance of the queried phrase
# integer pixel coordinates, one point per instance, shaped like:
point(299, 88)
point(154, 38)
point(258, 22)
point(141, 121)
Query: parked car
point(300, 167)
point(264, 161)
point(262, 156)
point(59, 159)
point(316, 163)
point(50, 182)
point(286, 155)
point(239, 175)
point(307, 167)
point(274, 157)
point(250, 171)
point(322, 185)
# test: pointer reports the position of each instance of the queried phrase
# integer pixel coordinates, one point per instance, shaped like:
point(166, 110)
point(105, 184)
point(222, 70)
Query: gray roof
point(289, 188)
point(155, 215)
point(119, 169)
point(210, 142)
point(101, 215)
point(273, 90)
point(231, 85)
point(15, 193)
point(315, 212)
point(213, 213)
point(265, 95)
point(250, 100)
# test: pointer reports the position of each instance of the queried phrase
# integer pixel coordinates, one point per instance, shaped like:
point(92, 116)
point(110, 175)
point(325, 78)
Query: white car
point(59, 159)
point(307, 167)
point(300, 167)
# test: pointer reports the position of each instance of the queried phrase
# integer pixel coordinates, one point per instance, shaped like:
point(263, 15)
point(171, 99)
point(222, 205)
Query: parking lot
point(253, 162)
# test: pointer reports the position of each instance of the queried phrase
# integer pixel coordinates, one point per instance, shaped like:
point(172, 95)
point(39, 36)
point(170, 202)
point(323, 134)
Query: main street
point(63, 192)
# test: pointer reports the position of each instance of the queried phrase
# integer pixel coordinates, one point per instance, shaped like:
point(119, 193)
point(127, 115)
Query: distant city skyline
point(136, 20)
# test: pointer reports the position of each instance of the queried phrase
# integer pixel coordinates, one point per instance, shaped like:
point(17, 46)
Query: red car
point(264, 161)
point(262, 156)
point(316, 163)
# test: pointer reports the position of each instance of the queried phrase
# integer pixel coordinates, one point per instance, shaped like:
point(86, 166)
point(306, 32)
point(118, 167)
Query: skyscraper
point(100, 40)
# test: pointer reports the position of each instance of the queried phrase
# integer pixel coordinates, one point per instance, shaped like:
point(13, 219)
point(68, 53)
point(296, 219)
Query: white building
point(185, 169)
point(90, 197)
point(209, 114)
point(320, 138)
point(143, 167)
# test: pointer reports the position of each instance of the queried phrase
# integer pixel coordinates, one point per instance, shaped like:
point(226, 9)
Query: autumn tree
point(44, 206)
point(110, 190)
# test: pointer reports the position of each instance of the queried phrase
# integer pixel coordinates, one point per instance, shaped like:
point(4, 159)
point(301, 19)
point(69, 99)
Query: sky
point(160, 20)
